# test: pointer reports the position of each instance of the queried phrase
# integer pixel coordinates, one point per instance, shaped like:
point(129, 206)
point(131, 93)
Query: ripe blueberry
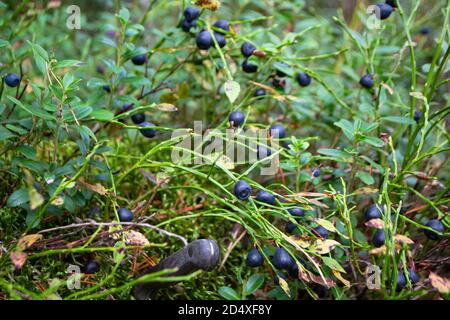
point(187, 25)
point(263, 152)
point(107, 88)
point(222, 24)
point(266, 197)
point(242, 190)
point(293, 271)
point(296, 212)
point(290, 227)
point(425, 31)
point(247, 49)
point(436, 225)
point(12, 80)
point(138, 118)
point(254, 258)
point(259, 92)
point(303, 79)
point(367, 81)
point(321, 232)
point(374, 211)
point(125, 215)
point(385, 11)
point(149, 133)
point(378, 238)
point(191, 13)
point(316, 173)
point(237, 118)
point(417, 116)
point(249, 67)
point(413, 276)
point(392, 3)
point(139, 60)
point(282, 259)
point(204, 40)
point(91, 267)
point(401, 280)
point(279, 130)
point(220, 39)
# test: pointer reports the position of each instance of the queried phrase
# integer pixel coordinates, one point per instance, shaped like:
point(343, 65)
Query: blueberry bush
point(95, 97)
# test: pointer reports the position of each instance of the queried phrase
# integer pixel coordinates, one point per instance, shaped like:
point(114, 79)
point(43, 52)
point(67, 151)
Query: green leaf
point(373, 141)
point(18, 198)
point(137, 81)
point(5, 134)
point(232, 90)
point(4, 43)
point(124, 15)
point(229, 293)
point(67, 64)
point(32, 110)
point(365, 177)
point(333, 264)
point(102, 115)
point(402, 120)
point(347, 127)
point(254, 283)
point(334, 153)
point(96, 82)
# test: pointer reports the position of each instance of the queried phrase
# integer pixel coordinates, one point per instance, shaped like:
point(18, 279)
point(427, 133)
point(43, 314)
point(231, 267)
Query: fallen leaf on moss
point(439, 283)
point(27, 241)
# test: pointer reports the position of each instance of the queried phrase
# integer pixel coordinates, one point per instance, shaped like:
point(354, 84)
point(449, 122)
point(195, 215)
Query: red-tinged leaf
point(18, 259)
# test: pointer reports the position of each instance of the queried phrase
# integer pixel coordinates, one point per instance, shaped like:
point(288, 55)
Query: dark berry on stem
point(392, 3)
point(247, 49)
point(147, 132)
point(278, 129)
point(204, 40)
point(374, 211)
point(282, 259)
point(107, 88)
point(425, 31)
point(290, 227)
point(436, 225)
point(401, 280)
point(139, 60)
point(125, 215)
point(293, 271)
point(220, 39)
point(91, 267)
point(417, 116)
point(191, 13)
point(303, 79)
point(242, 190)
point(316, 173)
point(413, 276)
point(249, 67)
point(378, 238)
point(12, 80)
point(237, 118)
point(138, 118)
point(222, 24)
point(296, 212)
point(263, 152)
point(385, 11)
point(321, 232)
point(367, 81)
point(265, 197)
point(259, 93)
point(254, 258)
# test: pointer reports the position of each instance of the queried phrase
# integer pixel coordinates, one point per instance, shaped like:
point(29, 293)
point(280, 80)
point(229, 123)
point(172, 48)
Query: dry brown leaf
point(319, 280)
point(375, 223)
point(18, 259)
point(98, 188)
point(399, 238)
point(135, 238)
point(212, 5)
point(388, 88)
point(27, 241)
point(301, 241)
point(439, 283)
point(166, 107)
point(325, 246)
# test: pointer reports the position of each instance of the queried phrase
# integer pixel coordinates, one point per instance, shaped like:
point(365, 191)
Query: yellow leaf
point(98, 188)
point(27, 241)
point(338, 275)
point(36, 199)
point(284, 285)
point(301, 241)
point(325, 246)
point(326, 224)
point(166, 107)
point(439, 283)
